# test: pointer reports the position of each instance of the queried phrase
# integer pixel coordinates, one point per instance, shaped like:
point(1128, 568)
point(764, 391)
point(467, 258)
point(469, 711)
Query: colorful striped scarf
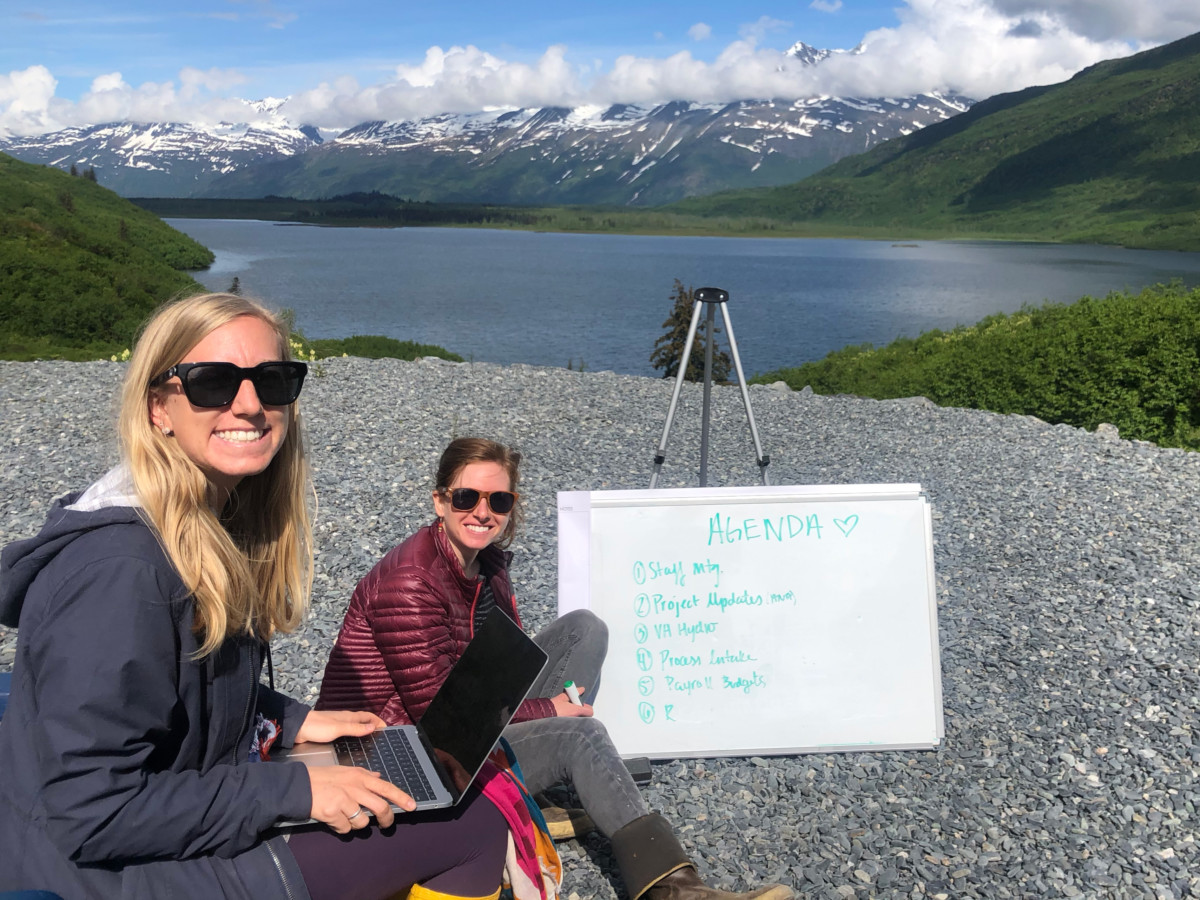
point(533, 870)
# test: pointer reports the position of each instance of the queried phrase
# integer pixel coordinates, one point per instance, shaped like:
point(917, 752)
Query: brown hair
point(250, 571)
point(463, 451)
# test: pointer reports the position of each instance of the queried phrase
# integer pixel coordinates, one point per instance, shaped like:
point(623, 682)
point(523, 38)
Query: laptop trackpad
point(310, 753)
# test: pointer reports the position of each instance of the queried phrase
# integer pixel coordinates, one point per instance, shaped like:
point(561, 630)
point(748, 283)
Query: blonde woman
point(133, 742)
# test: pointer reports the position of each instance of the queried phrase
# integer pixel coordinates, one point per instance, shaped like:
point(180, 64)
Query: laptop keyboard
point(391, 754)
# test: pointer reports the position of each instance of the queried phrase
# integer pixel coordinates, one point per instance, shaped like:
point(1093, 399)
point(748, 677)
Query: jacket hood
point(111, 500)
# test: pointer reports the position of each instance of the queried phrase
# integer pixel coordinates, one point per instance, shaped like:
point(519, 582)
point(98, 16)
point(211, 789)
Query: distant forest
point(384, 211)
point(361, 208)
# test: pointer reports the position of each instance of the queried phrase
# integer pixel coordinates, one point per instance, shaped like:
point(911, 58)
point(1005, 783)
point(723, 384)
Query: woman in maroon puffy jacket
point(411, 617)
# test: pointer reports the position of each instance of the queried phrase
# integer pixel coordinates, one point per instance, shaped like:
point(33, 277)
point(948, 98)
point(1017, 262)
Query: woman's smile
point(242, 436)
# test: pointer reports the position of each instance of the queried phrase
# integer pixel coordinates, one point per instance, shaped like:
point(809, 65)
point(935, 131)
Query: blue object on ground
point(5, 687)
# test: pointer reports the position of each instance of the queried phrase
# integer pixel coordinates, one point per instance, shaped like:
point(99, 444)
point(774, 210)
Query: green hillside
point(80, 267)
point(1131, 360)
point(1111, 156)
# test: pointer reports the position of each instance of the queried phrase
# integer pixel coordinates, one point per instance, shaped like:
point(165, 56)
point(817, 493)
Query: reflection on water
point(546, 299)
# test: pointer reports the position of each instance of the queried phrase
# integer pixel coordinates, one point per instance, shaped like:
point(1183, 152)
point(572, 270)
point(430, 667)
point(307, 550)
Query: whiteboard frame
point(574, 576)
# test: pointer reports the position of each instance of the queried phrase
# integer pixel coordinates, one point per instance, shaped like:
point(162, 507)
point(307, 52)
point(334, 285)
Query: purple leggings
point(458, 851)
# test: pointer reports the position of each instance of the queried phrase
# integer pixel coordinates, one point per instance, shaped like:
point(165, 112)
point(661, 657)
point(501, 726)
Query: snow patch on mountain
point(589, 153)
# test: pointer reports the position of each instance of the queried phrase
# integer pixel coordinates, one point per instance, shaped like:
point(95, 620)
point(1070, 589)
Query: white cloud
point(196, 82)
point(967, 46)
point(757, 31)
point(740, 71)
point(266, 11)
point(826, 5)
point(28, 105)
point(25, 99)
point(700, 32)
point(461, 79)
point(974, 47)
point(1109, 20)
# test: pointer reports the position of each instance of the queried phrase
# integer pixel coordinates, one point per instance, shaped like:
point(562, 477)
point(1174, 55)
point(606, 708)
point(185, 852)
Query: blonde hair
point(250, 570)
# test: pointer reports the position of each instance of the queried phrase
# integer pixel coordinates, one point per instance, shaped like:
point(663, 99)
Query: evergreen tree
point(90, 174)
point(74, 171)
point(668, 349)
point(236, 286)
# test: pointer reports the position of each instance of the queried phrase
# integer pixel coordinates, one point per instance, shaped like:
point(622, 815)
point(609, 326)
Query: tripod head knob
point(711, 295)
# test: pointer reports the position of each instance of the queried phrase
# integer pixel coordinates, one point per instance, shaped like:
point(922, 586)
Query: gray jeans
point(576, 749)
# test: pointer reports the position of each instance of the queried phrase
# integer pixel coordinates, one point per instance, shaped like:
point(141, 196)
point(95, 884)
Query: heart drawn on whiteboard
point(847, 524)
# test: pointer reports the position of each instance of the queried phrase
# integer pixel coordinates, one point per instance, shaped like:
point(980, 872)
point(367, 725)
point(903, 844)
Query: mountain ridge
point(1108, 156)
point(616, 154)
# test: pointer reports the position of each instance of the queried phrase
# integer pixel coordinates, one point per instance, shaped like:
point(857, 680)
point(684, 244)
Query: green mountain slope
point(80, 267)
point(1111, 156)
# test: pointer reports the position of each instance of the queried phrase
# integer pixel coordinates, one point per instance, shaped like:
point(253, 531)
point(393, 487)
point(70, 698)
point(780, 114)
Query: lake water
point(547, 299)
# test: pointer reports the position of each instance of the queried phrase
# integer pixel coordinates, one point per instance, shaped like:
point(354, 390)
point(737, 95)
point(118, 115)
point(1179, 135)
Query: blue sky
point(69, 63)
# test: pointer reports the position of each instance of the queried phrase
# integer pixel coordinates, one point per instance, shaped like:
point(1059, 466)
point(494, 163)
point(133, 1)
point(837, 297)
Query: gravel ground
point(1068, 582)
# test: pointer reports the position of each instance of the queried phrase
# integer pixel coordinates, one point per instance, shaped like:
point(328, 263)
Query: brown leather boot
point(685, 884)
point(655, 867)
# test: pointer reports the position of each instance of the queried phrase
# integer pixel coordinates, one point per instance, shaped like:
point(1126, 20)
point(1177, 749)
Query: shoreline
point(779, 230)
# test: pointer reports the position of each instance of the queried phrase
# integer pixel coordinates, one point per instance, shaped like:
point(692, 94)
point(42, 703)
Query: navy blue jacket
point(125, 761)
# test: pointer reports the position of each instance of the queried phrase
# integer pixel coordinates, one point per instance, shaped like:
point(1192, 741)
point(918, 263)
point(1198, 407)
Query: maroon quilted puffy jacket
point(408, 622)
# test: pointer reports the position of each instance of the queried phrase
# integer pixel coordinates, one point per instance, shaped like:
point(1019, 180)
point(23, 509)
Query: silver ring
point(356, 815)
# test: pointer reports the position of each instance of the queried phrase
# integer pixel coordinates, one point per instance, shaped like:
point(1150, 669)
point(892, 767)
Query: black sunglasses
point(213, 384)
point(466, 499)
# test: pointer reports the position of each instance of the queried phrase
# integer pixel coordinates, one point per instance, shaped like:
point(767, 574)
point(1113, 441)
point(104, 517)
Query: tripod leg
point(763, 461)
point(708, 360)
point(661, 455)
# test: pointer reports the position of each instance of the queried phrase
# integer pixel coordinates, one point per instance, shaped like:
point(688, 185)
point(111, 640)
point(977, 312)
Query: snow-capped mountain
point(621, 154)
point(167, 159)
point(617, 155)
point(810, 56)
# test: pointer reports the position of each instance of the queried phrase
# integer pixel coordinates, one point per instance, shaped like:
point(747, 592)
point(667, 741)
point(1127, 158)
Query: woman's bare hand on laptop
point(345, 797)
point(327, 725)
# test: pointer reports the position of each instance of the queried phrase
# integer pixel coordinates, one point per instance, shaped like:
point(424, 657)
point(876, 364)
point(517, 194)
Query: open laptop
point(435, 761)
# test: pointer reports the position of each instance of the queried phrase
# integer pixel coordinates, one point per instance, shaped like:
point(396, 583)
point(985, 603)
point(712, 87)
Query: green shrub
point(1131, 360)
point(373, 346)
point(80, 267)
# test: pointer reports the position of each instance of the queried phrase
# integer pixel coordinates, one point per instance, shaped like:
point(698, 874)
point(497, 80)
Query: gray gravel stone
point(1068, 583)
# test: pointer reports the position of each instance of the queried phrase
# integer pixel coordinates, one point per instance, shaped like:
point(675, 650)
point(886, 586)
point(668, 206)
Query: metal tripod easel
point(710, 297)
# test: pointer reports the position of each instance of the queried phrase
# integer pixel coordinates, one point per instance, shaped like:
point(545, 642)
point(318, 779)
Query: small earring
point(167, 432)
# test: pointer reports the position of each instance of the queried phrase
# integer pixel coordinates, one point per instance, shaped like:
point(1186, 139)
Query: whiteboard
point(759, 620)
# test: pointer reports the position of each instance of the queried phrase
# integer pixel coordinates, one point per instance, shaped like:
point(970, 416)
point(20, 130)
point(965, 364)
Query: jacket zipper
point(474, 603)
point(512, 592)
point(237, 747)
point(275, 860)
point(287, 885)
point(512, 599)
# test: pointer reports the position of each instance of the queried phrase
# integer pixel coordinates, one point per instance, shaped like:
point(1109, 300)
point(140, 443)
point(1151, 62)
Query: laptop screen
point(480, 696)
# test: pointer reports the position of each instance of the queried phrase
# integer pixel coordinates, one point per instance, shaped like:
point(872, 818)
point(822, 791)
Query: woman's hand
point(564, 707)
point(327, 725)
point(345, 797)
